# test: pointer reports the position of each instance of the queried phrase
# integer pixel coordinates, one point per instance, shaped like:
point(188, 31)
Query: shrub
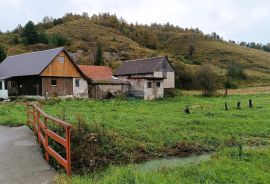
point(185, 77)
point(15, 40)
point(207, 80)
point(43, 38)
point(57, 39)
point(93, 147)
point(170, 92)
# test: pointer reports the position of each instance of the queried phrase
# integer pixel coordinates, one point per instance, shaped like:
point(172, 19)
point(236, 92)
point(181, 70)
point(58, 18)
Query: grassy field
point(152, 129)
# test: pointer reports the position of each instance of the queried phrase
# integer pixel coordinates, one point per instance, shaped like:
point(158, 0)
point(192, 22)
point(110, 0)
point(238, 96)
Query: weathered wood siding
point(101, 91)
point(58, 69)
point(63, 87)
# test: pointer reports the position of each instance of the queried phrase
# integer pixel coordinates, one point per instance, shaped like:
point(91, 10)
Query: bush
point(57, 39)
point(170, 92)
point(43, 38)
point(15, 40)
point(94, 147)
point(185, 77)
point(207, 80)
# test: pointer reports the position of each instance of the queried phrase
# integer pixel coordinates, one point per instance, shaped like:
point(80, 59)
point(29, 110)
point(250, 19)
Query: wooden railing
point(39, 120)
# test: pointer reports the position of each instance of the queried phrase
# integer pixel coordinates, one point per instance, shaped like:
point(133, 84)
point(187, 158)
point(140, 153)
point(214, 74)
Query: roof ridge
point(144, 59)
point(36, 52)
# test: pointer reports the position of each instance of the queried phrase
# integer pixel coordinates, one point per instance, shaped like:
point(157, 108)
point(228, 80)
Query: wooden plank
point(58, 69)
point(58, 157)
point(56, 137)
point(64, 86)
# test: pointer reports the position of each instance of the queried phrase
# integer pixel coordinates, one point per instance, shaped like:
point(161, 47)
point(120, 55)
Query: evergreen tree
point(3, 54)
point(99, 60)
point(15, 40)
point(30, 33)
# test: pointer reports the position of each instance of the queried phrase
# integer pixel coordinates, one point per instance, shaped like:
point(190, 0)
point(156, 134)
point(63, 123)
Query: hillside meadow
point(121, 41)
point(138, 130)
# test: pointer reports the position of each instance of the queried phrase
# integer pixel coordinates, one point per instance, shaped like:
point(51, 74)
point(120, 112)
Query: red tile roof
point(96, 72)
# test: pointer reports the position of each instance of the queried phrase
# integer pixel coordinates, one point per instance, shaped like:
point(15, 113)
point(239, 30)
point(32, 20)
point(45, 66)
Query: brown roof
point(100, 74)
point(96, 72)
point(139, 66)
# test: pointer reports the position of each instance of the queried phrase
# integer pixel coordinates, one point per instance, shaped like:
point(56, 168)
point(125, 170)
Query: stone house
point(148, 77)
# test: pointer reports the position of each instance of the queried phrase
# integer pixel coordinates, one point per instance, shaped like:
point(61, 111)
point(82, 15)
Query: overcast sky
point(238, 20)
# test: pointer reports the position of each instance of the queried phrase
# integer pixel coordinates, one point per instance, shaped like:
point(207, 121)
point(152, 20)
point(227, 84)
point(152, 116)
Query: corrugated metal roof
point(140, 66)
point(27, 64)
point(96, 72)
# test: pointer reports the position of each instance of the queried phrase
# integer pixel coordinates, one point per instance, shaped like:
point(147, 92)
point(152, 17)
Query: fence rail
point(34, 118)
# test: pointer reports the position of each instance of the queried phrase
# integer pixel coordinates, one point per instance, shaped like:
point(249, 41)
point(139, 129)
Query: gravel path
point(21, 161)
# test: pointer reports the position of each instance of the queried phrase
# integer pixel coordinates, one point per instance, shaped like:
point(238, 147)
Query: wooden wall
point(64, 86)
point(57, 69)
point(30, 85)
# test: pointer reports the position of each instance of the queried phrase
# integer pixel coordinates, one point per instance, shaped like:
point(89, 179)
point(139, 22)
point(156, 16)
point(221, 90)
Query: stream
point(172, 162)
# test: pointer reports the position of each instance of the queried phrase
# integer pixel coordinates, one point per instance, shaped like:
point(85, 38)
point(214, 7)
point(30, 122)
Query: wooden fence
point(39, 120)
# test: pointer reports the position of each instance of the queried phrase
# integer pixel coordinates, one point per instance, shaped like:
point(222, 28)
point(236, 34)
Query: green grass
point(12, 114)
point(158, 126)
point(224, 167)
point(163, 123)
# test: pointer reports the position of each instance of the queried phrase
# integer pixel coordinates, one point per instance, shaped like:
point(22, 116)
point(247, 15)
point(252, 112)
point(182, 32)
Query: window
point(53, 82)
point(149, 84)
point(13, 84)
point(158, 84)
point(77, 82)
point(61, 59)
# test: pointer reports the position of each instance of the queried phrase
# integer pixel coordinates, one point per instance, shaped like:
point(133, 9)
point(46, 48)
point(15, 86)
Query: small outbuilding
point(102, 84)
point(148, 77)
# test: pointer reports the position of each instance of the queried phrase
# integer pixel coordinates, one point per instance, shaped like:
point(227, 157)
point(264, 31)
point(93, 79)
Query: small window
point(53, 82)
point(61, 59)
point(13, 84)
point(149, 84)
point(77, 82)
point(158, 84)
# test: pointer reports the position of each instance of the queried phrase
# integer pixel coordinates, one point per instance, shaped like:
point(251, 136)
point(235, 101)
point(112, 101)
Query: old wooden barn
point(43, 73)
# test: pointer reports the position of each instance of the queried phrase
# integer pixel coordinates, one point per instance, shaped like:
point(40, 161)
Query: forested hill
point(188, 49)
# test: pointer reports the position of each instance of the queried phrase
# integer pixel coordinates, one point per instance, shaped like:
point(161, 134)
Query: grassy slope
point(84, 35)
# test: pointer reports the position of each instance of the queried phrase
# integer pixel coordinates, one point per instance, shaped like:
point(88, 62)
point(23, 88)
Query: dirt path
point(20, 159)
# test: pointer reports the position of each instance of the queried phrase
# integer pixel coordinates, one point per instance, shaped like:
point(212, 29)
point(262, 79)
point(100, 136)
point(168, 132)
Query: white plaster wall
point(169, 82)
point(158, 74)
point(149, 92)
point(82, 90)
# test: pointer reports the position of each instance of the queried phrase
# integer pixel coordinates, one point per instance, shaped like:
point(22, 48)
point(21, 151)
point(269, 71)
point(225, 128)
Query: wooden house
point(148, 77)
point(43, 73)
point(102, 84)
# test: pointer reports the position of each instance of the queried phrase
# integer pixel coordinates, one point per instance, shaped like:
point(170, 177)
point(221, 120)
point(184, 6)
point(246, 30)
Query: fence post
point(68, 156)
point(46, 140)
point(38, 130)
